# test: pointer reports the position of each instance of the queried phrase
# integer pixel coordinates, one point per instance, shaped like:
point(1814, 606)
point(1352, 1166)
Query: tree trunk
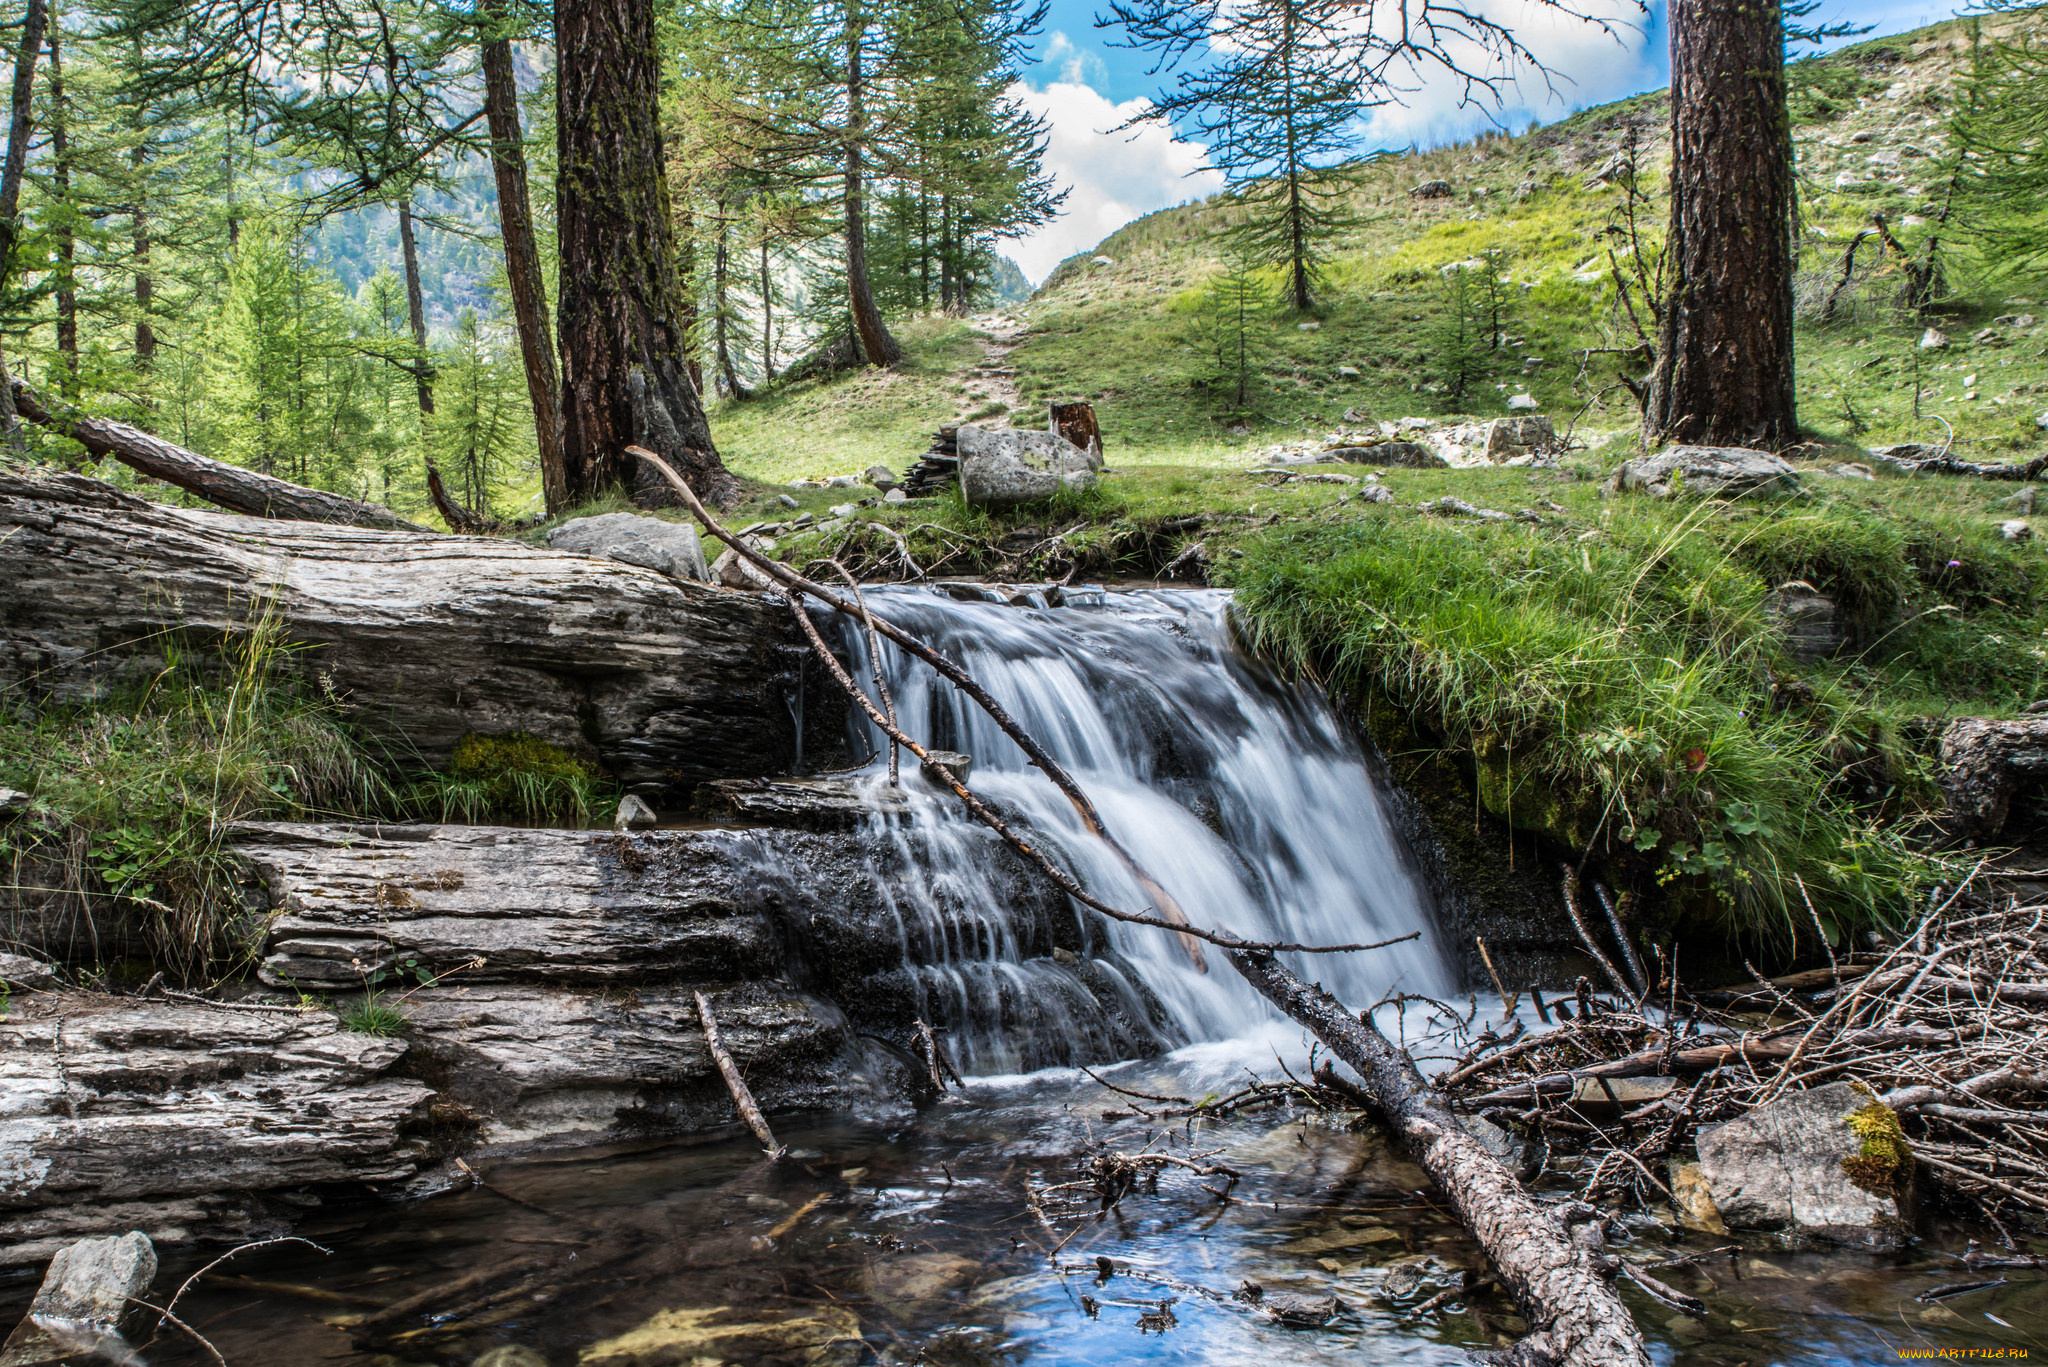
point(522, 257)
point(1724, 372)
point(880, 348)
point(622, 304)
point(767, 319)
point(227, 486)
point(145, 285)
point(722, 317)
point(416, 310)
point(686, 235)
point(67, 247)
point(1574, 1314)
point(10, 182)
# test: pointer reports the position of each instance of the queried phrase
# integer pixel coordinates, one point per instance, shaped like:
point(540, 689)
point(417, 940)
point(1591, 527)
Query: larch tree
point(624, 376)
point(1724, 367)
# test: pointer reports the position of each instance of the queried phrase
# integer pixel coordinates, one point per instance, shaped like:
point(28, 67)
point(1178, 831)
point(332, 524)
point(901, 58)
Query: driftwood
point(228, 486)
point(1561, 1279)
point(737, 1085)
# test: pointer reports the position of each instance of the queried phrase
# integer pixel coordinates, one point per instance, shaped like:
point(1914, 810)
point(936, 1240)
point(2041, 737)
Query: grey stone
point(634, 814)
point(895, 496)
point(1516, 1155)
point(1376, 493)
point(1523, 402)
point(960, 765)
point(19, 970)
point(843, 482)
point(669, 548)
point(844, 510)
point(2015, 529)
point(1006, 467)
point(1433, 189)
point(1985, 763)
point(1711, 470)
point(1934, 339)
point(13, 803)
point(1784, 1167)
point(832, 803)
point(1808, 623)
point(881, 476)
point(786, 501)
point(1507, 437)
point(90, 1289)
point(1407, 455)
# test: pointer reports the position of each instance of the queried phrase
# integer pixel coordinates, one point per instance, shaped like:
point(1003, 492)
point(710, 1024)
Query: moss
point(1884, 1167)
point(517, 776)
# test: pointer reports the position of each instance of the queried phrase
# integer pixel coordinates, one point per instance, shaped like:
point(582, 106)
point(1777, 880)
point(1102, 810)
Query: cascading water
point(1245, 796)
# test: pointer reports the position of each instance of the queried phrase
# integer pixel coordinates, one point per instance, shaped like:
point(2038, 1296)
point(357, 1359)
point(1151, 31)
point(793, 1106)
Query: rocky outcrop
point(1716, 471)
point(425, 637)
point(1985, 763)
point(173, 1118)
point(815, 804)
point(1823, 1166)
point(669, 548)
point(1006, 467)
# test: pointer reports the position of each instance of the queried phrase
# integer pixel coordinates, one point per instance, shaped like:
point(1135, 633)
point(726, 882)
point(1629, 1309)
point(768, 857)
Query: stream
point(899, 1235)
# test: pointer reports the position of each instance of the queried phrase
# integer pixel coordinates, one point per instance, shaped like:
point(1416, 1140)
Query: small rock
point(961, 765)
point(1808, 623)
point(634, 815)
point(2016, 529)
point(1308, 327)
point(1525, 403)
point(89, 1290)
point(1828, 1164)
point(1525, 189)
point(13, 803)
point(1985, 763)
point(895, 496)
point(669, 548)
point(1376, 493)
point(881, 476)
point(19, 970)
point(1349, 372)
point(1862, 135)
point(843, 482)
point(512, 1355)
point(1985, 337)
point(1433, 189)
point(1934, 339)
point(1411, 455)
point(1506, 437)
point(1104, 261)
point(1306, 1312)
point(844, 510)
point(1693, 1202)
point(1849, 180)
point(786, 501)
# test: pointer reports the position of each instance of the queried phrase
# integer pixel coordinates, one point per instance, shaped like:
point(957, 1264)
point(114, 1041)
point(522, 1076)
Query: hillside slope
point(1122, 325)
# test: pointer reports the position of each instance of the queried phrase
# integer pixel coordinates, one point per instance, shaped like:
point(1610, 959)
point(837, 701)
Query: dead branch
point(737, 1085)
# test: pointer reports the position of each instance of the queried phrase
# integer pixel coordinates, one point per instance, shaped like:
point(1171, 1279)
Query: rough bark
point(722, 320)
point(459, 519)
point(145, 283)
point(1574, 1313)
point(1724, 371)
point(11, 172)
point(425, 637)
point(66, 273)
point(622, 303)
point(522, 258)
point(876, 342)
point(228, 486)
point(415, 310)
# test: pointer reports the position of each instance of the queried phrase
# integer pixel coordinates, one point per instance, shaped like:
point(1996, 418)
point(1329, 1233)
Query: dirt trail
point(994, 380)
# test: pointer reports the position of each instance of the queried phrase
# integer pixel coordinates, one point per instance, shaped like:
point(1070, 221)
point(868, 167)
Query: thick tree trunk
point(622, 304)
point(416, 310)
point(522, 258)
point(10, 179)
point(67, 248)
point(1724, 372)
point(1575, 1316)
point(880, 348)
point(227, 486)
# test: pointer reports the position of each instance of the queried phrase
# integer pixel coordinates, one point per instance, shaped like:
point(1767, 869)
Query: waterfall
point(1247, 797)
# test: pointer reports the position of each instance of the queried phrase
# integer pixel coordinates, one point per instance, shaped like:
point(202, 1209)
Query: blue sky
point(1084, 86)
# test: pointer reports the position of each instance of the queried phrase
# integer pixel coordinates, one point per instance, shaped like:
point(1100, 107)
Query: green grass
point(133, 796)
point(371, 1016)
point(516, 776)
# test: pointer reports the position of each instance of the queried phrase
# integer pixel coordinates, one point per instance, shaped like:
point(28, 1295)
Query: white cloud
point(1076, 65)
point(1112, 178)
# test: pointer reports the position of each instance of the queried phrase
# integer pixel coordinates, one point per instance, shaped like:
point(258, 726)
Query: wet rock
point(959, 765)
point(1516, 1155)
point(88, 1292)
point(634, 815)
point(1827, 1165)
point(721, 1334)
point(1716, 471)
point(1807, 622)
point(1986, 762)
point(427, 638)
point(810, 804)
point(125, 1113)
point(1301, 1312)
point(1692, 1200)
point(1007, 467)
point(669, 548)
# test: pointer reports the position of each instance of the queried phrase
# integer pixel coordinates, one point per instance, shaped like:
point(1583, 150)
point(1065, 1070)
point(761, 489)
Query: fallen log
point(1574, 1313)
point(227, 486)
point(1562, 1281)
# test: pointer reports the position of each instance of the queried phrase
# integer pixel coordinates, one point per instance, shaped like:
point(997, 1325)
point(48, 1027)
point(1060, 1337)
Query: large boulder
point(1718, 471)
point(1826, 1166)
point(1003, 467)
point(669, 548)
point(92, 1286)
point(1507, 438)
point(1808, 622)
point(1985, 763)
point(1408, 455)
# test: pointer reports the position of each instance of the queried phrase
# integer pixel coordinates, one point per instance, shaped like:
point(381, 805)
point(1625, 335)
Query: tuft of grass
point(371, 1016)
point(516, 775)
point(133, 796)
